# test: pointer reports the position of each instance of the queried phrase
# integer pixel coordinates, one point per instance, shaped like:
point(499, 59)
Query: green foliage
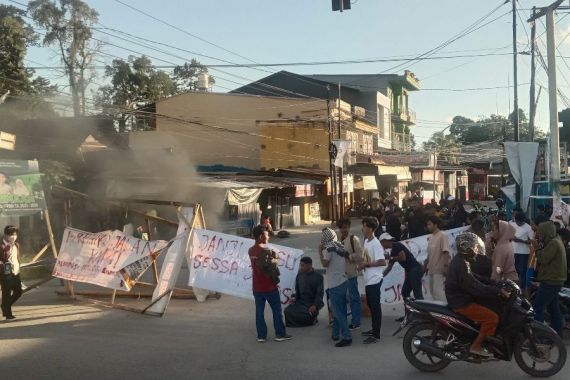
point(447, 146)
point(186, 76)
point(55, 173)
point(27, 94)
point(68, 26)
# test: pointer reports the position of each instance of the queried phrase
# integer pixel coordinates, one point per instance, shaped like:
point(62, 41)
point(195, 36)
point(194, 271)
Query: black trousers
point(373, 300)
point(413, 282)
point(11, 291)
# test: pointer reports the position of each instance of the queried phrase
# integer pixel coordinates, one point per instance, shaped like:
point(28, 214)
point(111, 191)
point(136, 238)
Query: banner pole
point(50, 233)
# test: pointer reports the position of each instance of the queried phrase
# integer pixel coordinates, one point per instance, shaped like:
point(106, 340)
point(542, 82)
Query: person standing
point(438, 258)
point(333, 258)
point(353, 246)
point(373, 267)
point(376, 211)
point(521, 246)
point(503, 254)
point(265, 287)
point(10, 271)
point(552, 272)
point(309, 291)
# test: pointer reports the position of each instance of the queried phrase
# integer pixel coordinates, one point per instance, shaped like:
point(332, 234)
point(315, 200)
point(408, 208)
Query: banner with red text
point(97, 258)
point(220, 262)
point(393, 282)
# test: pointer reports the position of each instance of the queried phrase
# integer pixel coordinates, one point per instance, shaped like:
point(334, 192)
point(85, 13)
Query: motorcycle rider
point(463, 289)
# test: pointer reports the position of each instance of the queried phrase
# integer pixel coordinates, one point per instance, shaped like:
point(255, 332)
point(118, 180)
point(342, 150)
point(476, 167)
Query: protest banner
point(21, 191)
point(97, 258)
point(393, 282)
point(220, 262)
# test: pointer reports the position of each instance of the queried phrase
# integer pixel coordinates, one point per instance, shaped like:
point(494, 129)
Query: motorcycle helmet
point(467, 243)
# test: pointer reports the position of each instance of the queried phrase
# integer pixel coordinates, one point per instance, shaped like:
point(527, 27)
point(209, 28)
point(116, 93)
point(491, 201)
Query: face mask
point(12, 238)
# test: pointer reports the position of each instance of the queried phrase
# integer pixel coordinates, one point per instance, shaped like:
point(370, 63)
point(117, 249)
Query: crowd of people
point(532, 253)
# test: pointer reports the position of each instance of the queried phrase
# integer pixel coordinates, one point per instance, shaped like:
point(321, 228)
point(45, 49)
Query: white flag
point(342, 147)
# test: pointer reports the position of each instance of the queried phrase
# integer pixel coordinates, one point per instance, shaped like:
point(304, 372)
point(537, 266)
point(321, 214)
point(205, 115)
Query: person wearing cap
point(413, 270)
point(10, 270)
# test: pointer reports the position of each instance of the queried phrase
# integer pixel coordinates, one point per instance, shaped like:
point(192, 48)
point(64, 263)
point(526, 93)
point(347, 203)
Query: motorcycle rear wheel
point(546, 341)
point(426, 331)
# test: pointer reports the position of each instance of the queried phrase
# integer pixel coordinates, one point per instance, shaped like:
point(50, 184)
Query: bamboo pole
point(40, 253)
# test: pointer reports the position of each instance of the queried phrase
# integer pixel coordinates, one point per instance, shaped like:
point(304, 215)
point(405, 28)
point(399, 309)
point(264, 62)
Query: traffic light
point(340, 5)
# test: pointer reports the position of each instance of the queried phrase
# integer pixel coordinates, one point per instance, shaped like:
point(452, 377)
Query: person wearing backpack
point(353, 246)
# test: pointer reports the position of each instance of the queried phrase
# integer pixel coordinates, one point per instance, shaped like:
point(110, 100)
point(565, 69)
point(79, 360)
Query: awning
point(401, 172)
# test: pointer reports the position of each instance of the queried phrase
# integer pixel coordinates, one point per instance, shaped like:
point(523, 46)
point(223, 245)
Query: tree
point(26, 94)
point(134, 84)
point(68, 26)
point(186, 76)
point(446, 146)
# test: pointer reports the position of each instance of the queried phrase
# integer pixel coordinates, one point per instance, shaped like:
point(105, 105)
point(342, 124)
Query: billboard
point(21, 191)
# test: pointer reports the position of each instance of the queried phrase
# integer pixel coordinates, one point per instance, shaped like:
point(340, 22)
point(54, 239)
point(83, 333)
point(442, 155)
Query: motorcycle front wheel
point(421, 359)
point(548, 358)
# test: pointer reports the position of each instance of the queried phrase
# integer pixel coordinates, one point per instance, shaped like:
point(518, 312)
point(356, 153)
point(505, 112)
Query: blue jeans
point(354, 296)
point(338, 303)
point(274, 301)
point(547, 297)
point(521, 265)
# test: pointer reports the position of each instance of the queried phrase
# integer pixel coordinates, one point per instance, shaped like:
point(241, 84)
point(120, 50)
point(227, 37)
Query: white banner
point(392, 285)
point(521, 157)
point(221, 263)
point(97, 258)
point(342, 147)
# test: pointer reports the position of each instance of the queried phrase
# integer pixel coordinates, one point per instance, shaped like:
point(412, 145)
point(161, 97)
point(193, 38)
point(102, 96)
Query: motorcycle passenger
point(463, 290)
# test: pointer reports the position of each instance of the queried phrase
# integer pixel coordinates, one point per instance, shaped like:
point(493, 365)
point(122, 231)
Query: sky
point(270, 31)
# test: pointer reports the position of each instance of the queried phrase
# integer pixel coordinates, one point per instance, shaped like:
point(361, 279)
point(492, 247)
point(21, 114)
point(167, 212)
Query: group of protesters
point(528, 252)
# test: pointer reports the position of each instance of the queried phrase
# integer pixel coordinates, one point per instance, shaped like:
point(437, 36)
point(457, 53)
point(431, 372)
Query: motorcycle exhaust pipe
point(432, 350)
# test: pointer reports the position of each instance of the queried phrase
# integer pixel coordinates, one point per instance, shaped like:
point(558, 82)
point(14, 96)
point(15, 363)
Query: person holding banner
point(265, 288)
point(413, 270)
point(10, 271)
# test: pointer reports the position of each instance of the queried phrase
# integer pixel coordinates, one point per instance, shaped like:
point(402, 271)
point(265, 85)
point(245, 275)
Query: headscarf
point(329, 241)
point(503, 254)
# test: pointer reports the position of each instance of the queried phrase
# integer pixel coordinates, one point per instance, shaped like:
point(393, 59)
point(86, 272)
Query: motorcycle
point(436, 336)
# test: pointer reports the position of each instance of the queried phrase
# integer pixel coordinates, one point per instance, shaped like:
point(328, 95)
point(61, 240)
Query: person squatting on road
point(333, 257)
point(265, 277)
point(464, 291)
point(353, 246)
point(373, 266)
point(10, 270)
point(309, 291)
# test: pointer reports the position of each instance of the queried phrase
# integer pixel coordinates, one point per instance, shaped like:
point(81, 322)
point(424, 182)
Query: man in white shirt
point(10, 270)
point(521, 246)
point(373, 267)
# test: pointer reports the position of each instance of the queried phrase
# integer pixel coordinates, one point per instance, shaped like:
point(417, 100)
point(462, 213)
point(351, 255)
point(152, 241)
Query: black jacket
point(462, 287)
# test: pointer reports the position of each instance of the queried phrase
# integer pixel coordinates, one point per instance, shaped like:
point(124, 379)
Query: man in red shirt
point(265, 289)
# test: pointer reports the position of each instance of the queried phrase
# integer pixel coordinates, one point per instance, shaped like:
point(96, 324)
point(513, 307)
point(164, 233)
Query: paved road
point(54, 338)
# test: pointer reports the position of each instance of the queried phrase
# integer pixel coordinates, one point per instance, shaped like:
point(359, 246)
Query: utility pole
point(532, 108)
point(552, 98)
point(515, 69)
point(553, 106)
point(340, 171)
point(332, 177)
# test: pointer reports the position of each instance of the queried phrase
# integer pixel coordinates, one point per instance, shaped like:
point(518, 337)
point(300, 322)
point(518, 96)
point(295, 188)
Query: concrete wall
point(223, 129)
point(288, 144)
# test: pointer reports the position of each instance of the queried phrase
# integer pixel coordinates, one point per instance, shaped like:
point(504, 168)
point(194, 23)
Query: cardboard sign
point(97, 258)
point(220, 262)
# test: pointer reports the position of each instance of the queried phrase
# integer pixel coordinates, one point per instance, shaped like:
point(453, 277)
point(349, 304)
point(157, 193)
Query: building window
point(367, 144)
point(381, 122)
point(353, 137)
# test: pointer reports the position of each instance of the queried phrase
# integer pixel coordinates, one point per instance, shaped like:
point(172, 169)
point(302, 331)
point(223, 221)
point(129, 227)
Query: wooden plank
point(40, 253)
point(35, 285)
point(50, 233)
